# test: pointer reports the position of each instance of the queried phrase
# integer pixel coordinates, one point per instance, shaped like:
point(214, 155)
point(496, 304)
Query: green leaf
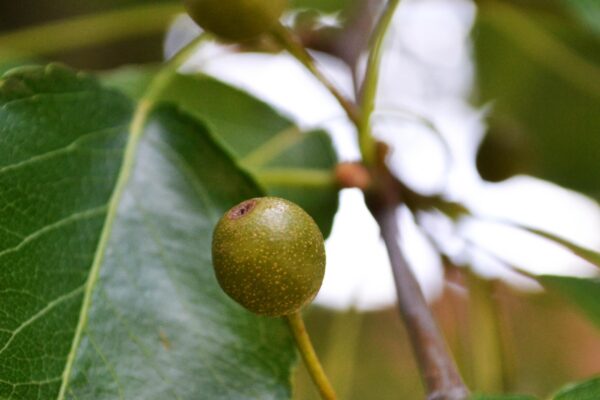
point(131, 80)
point(588, 390)
point(541, 76)
point(501, 397)
point(8, 63)
point(105, 275)
point(588, 11)
point(314, 188)
point(265, 142)
point(584, 293)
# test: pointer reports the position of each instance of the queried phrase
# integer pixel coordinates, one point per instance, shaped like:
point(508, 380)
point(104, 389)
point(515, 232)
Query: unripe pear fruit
point(269, 256)
point(236, 20)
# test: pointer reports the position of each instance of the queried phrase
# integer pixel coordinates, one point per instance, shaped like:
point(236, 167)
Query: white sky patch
point(358, 270)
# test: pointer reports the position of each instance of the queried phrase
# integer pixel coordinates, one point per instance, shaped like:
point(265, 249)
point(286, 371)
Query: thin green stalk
point(87, 30)
point(162, 79)
point(371, 82)
point(309, 356)
point(297, 50)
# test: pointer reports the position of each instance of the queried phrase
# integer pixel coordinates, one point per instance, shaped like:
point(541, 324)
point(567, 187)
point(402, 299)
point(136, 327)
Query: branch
point(440, 374)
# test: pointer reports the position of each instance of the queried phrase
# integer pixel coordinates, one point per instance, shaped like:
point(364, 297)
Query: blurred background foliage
point(504, 342)
point(538, 70)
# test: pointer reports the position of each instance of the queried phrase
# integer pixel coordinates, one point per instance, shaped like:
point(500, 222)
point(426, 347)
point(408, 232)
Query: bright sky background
point(427, 71)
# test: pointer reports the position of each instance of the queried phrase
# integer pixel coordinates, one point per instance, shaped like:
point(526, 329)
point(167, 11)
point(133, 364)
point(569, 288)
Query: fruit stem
point(296, 324)
point(288, 40)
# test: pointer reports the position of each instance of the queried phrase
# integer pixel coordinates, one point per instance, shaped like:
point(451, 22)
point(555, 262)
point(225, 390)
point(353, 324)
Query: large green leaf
point(106, 284)
point(588, 390)
point(584, 293)
point(265, 142)
point(542, 77)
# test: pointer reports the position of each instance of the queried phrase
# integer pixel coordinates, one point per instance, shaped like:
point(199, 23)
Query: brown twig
point(440, 374)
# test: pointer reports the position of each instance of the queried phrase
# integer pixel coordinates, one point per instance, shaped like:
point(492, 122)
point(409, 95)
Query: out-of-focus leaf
point(131, 80)
point(584, 293)
point(6, 64)
point(242, 122)
point(314, 188)
point(588, 390)
point(283, 159)
point(106, 284)
point(588, 11)
point(543, 80)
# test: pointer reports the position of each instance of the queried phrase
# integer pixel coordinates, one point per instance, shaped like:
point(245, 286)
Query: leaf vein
point(56, 152)
point(55, 225)
point(49, 307)
point(135, 132)
point(107, 364)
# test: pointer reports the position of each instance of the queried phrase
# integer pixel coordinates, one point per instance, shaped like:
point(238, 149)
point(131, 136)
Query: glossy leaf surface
point(106, 284)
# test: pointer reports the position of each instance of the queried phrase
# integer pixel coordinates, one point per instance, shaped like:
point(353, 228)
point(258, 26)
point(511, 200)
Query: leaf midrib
point(134, 134)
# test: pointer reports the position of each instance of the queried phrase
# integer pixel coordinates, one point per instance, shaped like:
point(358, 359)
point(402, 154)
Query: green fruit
point(236, 19)
point(269, 256)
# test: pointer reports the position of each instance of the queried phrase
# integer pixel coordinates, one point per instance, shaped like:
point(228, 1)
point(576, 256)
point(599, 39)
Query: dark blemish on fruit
point(242, 209)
